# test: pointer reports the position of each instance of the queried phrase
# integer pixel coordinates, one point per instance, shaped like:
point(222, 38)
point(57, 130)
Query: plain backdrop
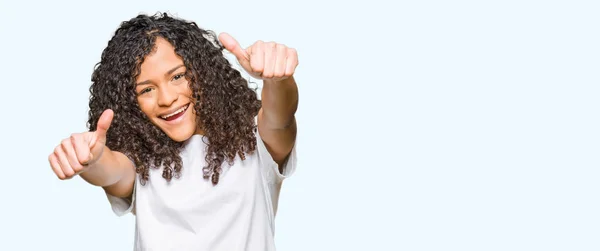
point(423, 125)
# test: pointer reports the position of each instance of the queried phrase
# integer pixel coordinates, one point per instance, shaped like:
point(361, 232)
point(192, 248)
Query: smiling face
point(164, 95)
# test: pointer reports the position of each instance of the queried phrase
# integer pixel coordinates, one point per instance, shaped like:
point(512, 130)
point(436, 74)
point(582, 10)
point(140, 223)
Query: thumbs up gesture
point(263, 60)
point(76, 153)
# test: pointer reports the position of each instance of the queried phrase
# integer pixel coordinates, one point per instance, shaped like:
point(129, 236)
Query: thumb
point(102, 127)
point(234, 47)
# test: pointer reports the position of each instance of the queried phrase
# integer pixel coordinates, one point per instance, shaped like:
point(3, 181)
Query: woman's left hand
point(263, 60)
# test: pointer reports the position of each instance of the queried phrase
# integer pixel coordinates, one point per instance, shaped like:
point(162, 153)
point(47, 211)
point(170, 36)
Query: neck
point(199, 131)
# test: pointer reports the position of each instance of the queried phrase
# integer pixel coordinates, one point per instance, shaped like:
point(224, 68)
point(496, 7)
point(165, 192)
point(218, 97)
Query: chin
point(180, 135)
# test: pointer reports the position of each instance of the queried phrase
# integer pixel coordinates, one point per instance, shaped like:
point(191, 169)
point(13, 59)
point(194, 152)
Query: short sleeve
point(123, 206)
point(289, 166)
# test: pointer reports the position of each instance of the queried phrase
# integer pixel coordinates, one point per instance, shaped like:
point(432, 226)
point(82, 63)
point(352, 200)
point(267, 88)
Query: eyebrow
point(166, 74)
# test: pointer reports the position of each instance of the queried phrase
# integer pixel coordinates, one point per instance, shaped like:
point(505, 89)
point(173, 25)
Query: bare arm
point(113, 171)
point(276, 120)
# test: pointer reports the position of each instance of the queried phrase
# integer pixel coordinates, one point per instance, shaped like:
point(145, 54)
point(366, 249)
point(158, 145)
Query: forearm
point(109, 169)
point(279, 102)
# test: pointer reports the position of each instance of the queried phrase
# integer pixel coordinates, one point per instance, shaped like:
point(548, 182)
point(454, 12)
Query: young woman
point(179, 139)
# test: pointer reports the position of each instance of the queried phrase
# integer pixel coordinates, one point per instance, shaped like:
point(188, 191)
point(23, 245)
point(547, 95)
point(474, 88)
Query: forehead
point(160, 60)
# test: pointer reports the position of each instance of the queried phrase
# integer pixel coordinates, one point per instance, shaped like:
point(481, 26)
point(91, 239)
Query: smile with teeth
point(175, 114)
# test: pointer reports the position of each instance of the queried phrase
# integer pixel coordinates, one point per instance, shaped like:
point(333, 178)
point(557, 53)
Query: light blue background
point(423, 125)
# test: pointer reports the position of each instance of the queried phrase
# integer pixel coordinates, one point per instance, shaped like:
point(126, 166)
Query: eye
point(179, 76)
point(148, 89)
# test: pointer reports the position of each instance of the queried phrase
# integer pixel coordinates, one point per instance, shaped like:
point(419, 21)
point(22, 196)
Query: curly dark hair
point(226, 106)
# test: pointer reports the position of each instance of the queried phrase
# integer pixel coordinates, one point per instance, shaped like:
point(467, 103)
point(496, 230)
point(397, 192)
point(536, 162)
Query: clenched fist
point(263, 60)
point(76, 153)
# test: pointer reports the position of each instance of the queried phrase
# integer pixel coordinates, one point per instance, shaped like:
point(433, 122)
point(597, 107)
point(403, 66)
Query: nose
point(167, 96)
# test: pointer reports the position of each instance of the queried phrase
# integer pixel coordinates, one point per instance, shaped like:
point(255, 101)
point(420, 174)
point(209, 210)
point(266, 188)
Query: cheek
point(186, 90)
point(147, 106)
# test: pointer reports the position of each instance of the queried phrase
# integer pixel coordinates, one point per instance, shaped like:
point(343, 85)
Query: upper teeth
point(175, 112)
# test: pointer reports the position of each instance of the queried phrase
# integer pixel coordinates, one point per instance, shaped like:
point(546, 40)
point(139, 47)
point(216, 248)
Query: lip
point(172, 110)
point(177, 120)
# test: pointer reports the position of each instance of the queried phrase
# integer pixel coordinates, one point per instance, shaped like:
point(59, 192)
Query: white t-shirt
point(190, 213)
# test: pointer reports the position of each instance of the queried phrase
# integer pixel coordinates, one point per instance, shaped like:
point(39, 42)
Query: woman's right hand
point(75, 154)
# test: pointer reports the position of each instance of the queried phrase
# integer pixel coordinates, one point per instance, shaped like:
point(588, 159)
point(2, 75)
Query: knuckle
point(74, 137)
point(77, 168)
point(256, 67)
point(69, 173)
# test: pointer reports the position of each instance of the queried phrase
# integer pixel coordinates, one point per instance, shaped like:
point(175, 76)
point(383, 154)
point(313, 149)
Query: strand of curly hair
point(225, 105)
